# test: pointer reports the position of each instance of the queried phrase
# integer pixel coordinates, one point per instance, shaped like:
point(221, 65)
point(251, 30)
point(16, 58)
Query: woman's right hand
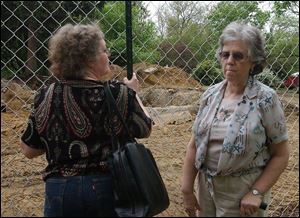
point(191, 204)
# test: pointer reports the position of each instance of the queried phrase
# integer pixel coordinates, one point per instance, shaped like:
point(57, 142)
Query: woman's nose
point(230, 59)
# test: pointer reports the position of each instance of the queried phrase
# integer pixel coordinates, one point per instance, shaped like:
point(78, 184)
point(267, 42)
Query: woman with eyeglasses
point(70, 124)
point(239, 147)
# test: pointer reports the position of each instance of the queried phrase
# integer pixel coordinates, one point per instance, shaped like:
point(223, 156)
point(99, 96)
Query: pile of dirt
point(16, 95)
point(163, 97)
point(151, 75)
point(162, 86)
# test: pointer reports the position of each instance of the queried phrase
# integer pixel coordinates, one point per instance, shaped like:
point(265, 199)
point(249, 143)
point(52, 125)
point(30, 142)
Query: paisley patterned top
point(257, 121)
point(70, 122)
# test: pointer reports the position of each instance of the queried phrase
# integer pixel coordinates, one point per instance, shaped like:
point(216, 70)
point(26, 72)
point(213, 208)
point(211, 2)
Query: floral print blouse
point(70, 122)
point(257, 121)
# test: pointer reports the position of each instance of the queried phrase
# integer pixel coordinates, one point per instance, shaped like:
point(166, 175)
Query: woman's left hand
point(250, 204)
point(133, 83)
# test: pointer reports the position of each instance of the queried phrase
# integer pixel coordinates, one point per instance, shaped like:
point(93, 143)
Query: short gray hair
point(72, 47)
point(250, 35)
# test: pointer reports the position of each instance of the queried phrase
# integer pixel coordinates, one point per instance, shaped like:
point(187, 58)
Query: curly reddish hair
point(72, 48)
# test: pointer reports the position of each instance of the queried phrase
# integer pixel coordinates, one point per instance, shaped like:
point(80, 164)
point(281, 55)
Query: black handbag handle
point(111, 104)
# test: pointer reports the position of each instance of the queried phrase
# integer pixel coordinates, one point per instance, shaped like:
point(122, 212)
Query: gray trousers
point(221, 197)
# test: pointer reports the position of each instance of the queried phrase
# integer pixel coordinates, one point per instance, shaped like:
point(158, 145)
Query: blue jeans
point(80, 196)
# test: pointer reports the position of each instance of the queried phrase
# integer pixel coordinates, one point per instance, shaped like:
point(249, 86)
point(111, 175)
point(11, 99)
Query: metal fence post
point(128, 39)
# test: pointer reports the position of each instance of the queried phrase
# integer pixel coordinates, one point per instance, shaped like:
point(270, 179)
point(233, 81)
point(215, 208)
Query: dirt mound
point(158, 76)
point(16, 95)
point(162, 97)
point(162, 86)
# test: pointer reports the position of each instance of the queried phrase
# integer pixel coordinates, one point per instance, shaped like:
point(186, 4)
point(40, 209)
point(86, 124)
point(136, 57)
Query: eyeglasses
point(237, 56)
point(107, 51)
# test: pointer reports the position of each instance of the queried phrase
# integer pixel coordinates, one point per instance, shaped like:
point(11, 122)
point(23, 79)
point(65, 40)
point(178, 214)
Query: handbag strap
point(112, 107)
point(114, 139)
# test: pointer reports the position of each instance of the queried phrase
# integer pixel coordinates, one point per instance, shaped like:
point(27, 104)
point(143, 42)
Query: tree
point(178, 55)
point(199, 27)
point(181, 15)
point(145, 38)
point(286, 7)
point(283, 39)
point(208, 73)
point(26, 27)
point(176, 16)
point(181, 26)
point(161, 24)
point(218, 17)
point(228, 11)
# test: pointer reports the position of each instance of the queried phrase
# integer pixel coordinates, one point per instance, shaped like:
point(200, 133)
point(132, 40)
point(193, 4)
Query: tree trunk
point(31, 64)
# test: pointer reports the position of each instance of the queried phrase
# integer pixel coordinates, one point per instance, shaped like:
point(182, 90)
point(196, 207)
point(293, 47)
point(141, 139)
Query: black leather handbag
point(138, 185)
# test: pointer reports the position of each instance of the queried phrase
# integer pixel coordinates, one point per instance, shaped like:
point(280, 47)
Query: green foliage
point(283, 56)
point(6, 73)
point(150, 56)
point(28, 25)
point(228, 11)
point(190, 23)
point(201, 33)
point(208, 73)
point(201, 41)
point(113, 24)
point(43, 18)
point(283, 39)
point(179, 55)
point(284, 7)
point(283, 46)
point(267, 77)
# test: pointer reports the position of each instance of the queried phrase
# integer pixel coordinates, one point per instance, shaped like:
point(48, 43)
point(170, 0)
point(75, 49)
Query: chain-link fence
point(173, 54)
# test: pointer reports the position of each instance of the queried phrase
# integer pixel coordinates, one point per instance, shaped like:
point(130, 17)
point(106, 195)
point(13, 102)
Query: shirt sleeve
point(139, 123)
point(273, 118)
point(31, 136)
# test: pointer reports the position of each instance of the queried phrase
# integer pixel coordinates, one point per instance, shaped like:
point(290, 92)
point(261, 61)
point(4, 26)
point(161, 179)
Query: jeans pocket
point(103, 190)
point(54, 194)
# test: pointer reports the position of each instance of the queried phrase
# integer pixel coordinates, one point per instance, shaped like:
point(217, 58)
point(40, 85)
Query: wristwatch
point(255, 192)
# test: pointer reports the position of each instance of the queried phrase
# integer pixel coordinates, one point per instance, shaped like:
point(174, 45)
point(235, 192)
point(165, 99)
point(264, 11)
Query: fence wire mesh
point(173, 54)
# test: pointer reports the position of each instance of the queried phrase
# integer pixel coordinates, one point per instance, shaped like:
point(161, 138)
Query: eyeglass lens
point(107, 51)
point(238, 56)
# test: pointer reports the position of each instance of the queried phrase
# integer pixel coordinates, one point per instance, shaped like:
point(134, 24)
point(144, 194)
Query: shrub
point(178, 55)
point(267, 77)
point(6, 73)
point(208, 73)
